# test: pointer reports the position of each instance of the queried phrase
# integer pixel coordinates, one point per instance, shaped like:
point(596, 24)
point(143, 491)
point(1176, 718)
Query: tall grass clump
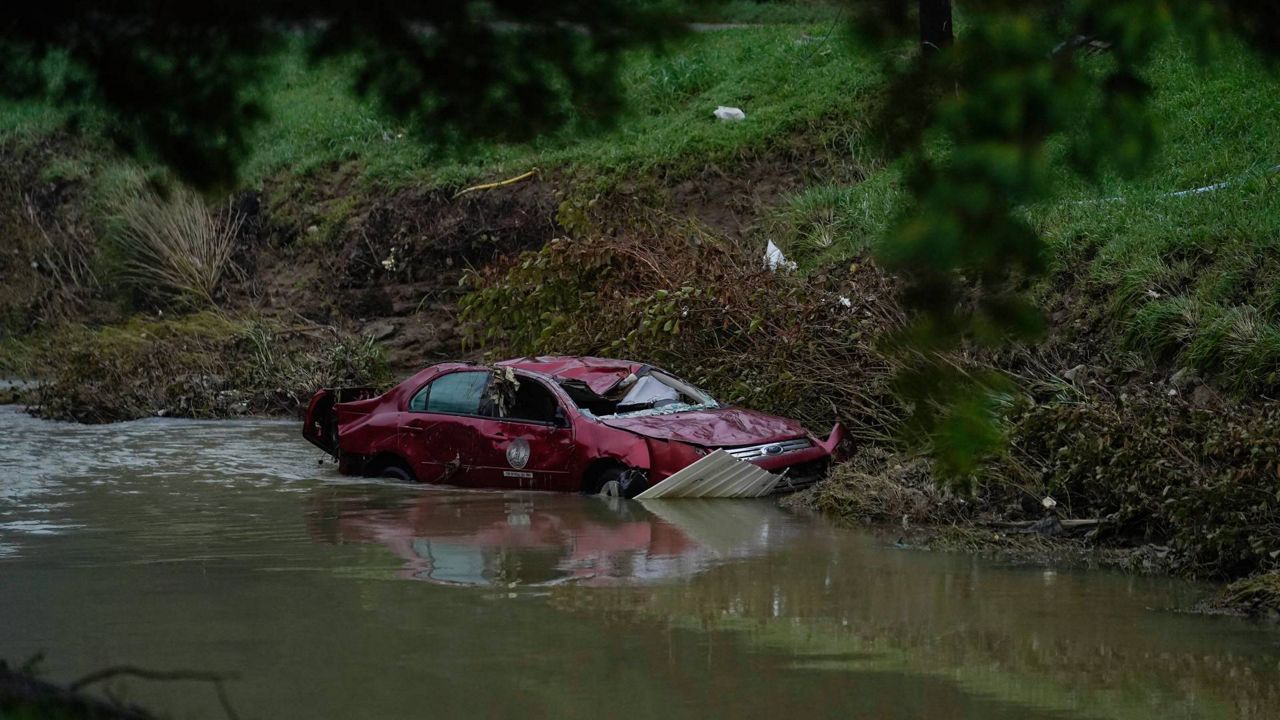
point(176, 246)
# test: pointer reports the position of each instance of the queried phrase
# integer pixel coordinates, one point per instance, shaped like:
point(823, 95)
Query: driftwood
point(1047, 526)
point(1066, 524)
point(22, 691)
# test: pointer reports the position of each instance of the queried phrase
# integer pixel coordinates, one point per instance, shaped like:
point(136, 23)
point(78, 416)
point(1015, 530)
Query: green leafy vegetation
point(780, 77)
point(181, 86)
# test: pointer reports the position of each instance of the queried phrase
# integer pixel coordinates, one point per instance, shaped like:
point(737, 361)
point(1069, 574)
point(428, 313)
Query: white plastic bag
point(775, 260)
point(729, 114)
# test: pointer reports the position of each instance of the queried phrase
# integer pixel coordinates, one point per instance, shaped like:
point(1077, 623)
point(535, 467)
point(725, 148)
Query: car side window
point(533, 402)
point(419, 401)
point(460, 393)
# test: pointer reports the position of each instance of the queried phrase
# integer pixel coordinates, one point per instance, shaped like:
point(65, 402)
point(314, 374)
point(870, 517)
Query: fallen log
point(1069, 524)
point(24, 695)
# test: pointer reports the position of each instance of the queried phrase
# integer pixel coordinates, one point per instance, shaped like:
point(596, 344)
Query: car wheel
point(621, 482)
point(396, 472)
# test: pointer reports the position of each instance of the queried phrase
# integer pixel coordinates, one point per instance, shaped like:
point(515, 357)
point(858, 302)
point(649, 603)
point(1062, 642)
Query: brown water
point(225, 546)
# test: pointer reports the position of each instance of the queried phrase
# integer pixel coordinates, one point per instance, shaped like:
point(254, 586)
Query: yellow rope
point(500, 183)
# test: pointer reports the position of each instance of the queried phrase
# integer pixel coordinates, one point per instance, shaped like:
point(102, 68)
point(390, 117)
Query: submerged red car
point(579, 424)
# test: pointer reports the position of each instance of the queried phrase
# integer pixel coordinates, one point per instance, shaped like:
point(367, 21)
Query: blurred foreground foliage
point(181, 83)
point(983, 128)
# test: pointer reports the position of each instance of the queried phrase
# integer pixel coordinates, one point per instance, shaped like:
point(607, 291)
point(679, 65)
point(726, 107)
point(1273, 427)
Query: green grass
point(771, 12)
point(787, 78)
point(22, 120)
point(833, 223)
point(1193, 279)
point(782, 81)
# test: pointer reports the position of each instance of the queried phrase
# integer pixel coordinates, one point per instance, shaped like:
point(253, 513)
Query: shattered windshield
point(651, 392)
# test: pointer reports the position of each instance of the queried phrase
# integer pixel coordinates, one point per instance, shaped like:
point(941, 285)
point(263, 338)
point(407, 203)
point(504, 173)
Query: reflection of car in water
point(499, 539)
point(553, 423)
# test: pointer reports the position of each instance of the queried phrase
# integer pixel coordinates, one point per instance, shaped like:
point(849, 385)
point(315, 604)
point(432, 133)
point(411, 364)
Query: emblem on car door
point(518, 453)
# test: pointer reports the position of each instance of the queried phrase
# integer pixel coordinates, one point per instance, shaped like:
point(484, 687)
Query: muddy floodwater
point(228, 547)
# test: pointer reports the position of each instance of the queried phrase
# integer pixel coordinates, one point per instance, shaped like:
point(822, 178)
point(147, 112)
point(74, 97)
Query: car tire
point(620, 482)
point(396, 472)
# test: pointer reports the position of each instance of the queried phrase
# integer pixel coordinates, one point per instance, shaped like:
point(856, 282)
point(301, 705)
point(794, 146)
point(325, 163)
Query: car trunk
point(330, 408)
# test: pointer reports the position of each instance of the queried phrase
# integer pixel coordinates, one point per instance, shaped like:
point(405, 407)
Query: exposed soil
point(388, 266)
point(48, 253)
point(732, 199)
point(328, 250)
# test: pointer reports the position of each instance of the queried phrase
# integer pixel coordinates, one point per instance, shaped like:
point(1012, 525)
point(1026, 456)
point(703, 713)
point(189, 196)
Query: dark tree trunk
point(935, 24)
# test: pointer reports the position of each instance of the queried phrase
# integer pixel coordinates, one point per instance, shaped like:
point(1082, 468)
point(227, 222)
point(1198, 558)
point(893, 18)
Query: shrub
point(1156, 468)
point(198, 366)
point(705, 309)
point(1257, 595)
point(176, 246)
point(877, 486)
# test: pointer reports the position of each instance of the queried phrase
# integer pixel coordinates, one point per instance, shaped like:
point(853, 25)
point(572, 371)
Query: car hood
point(717, 427)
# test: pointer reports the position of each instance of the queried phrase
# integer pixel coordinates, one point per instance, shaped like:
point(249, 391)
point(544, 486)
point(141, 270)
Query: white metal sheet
point(718, 475)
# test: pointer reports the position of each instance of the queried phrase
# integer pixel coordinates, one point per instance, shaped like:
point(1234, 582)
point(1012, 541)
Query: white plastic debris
point(729, 114)
point(775, 260)
point(1048, 503)
point(846, 302)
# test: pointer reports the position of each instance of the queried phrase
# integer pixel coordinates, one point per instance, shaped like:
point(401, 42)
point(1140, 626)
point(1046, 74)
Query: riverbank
point(360, 254)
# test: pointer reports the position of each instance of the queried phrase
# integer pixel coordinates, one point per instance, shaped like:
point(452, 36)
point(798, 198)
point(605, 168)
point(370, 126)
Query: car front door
point(529, 444)
point(440, 431)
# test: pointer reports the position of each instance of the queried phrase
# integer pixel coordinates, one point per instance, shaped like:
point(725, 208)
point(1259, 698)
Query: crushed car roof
point(598, 374)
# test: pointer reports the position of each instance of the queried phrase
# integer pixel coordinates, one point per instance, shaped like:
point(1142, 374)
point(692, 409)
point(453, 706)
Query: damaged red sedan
point(579, 424)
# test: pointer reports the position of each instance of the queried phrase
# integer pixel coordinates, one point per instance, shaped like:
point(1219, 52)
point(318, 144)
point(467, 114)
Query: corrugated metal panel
point(718, 475)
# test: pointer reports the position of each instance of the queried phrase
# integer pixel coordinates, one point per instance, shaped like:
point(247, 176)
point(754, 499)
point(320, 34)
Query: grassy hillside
point(1182, 278)
point(785, 77)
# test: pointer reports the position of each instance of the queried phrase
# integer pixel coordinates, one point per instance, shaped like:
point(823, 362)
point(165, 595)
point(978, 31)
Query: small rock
point(1204, 398)
point(378, 331)
point(1048, 526)
point(1185, 378)
point(1076, 374)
